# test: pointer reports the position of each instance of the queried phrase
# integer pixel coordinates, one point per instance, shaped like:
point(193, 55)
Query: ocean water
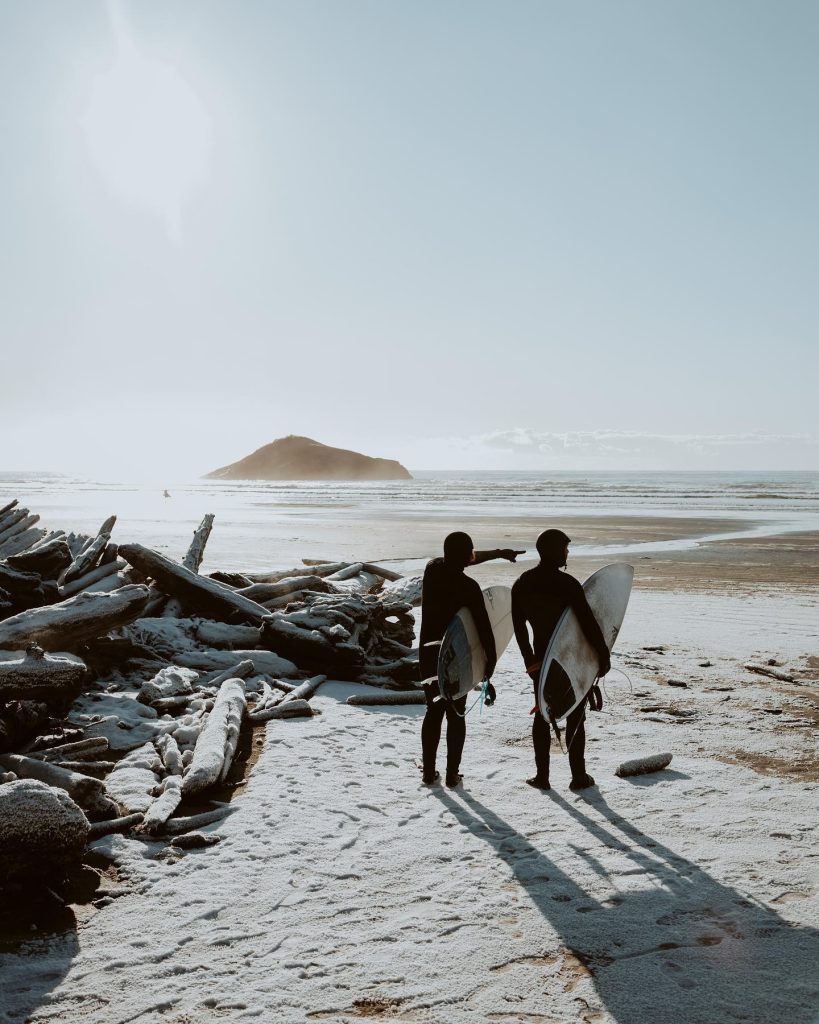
point(266, 524)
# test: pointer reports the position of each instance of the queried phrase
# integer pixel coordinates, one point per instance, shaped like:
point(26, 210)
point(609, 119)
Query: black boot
point(583, 782)
point(538, 782)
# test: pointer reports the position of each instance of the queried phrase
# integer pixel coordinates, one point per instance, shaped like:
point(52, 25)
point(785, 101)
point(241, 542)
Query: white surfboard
point(570, 664)
point(461, 659)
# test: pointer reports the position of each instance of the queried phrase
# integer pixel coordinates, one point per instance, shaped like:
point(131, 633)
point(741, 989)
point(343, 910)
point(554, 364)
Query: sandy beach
point(342, 889)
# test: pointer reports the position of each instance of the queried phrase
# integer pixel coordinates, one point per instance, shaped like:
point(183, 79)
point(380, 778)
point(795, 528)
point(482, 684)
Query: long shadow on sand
point(684, 948)
point(31, 969)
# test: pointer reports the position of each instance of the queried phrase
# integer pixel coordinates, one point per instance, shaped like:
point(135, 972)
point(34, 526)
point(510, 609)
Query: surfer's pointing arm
point(510, 554)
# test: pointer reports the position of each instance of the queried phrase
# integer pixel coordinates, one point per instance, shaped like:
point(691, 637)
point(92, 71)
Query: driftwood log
point(643, 765)
point(176, 826)
point(305, 690)
point(106, 828)
point(199, 593)
point(217, 741)
point(35, 675)
point(392, 697)
point(90, 555)
point(192, 560)
point(47, 560)
point(291, 709)
point(83, 617)
point(99, 572)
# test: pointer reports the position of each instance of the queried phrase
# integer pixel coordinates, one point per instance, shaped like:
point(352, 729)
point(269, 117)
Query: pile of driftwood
point(126, 677)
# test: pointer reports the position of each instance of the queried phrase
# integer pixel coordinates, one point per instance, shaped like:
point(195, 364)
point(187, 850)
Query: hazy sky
point(569, 234)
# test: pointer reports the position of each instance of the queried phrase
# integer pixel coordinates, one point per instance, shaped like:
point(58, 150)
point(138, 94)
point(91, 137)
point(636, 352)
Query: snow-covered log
point(286, 589)
point(83, 617)
point(99, 572)
point(106, 828)
point(196, 551)
point(199, 593)
point(21, 521)
point(310, 649)
point(90, 555)
point(81, 788)
point(392, 697)
point(78, 750)
point(305, 690)
point(222, 634)
point(263, 661)
point(192, 560)
point(324, 570)
point(217, 741)
point(23, 541)
point(164, 805)
point(35, 675)
point(47, 560)
point(643, 765)
point(293, 709)
point(134, 779)
point(176, 826)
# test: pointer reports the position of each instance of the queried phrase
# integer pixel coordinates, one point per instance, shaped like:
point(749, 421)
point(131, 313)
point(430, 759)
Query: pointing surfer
point(539, 598)
point(446, 590)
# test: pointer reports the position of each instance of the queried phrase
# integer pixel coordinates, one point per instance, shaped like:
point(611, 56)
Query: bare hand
point(510, 554)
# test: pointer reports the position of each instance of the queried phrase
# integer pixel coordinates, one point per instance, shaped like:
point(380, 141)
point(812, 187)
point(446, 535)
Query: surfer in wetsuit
point(446, 590)
point(539, 597)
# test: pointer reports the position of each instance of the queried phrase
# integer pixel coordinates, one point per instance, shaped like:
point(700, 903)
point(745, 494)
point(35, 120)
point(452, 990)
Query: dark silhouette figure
point(539, 598)
point(447, 589)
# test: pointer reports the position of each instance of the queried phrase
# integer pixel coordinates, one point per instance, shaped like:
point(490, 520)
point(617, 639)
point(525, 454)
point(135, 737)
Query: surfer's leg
point(541, 741)
point(576, 744)
point(431, 736)
point(455, 738)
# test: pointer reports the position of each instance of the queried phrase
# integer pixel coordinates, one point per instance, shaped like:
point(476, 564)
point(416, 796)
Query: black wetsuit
point(446, 590)
point(539, 598)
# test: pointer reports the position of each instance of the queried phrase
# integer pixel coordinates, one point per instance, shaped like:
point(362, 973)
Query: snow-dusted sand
point(344, 890)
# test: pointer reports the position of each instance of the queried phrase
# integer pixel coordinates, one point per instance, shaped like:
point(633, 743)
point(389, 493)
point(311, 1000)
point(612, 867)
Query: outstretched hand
point(510, 554)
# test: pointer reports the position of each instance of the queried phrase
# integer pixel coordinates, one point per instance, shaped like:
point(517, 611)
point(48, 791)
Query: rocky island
point(301, 458)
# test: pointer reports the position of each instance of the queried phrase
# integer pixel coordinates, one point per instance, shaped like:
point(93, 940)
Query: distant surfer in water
point(446, 590)
point(539, 597)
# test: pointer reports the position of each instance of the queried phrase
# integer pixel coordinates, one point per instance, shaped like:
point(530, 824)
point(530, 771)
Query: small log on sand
point(100, 572)
point(176, 826)
point(47, 560)
point(292, 709)
point(81, 788)
point(83, 617)
point(643, 765)
point(393, 697)
point(768, 670)
point(305, 690)
point(217, 741)
point(192, 560)
point(105, 828)
point(89, 556)
point(35, 675)
point(197, 592)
